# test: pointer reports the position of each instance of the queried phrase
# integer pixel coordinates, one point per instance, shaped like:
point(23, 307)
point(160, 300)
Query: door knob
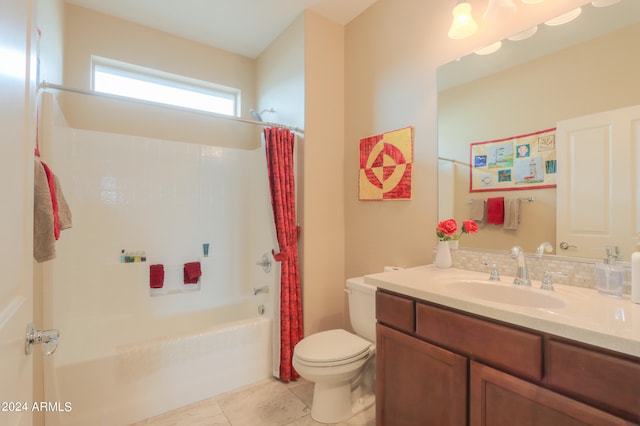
point(565, 245)
point(48, 339)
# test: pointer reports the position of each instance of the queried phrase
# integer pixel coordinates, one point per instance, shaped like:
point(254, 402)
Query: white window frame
point(166, 79)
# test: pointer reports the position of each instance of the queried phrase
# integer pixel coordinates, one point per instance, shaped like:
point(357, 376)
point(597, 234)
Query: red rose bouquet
point(447, 229)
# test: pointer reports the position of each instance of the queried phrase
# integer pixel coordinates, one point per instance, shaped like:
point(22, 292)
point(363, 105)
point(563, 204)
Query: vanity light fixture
point(463, 24)
point(604, 3)
point(498, 10)
point(523, 35)
point(487, 50)
point(564, 18)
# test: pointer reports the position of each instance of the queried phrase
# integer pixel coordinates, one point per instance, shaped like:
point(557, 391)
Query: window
point(132, 81)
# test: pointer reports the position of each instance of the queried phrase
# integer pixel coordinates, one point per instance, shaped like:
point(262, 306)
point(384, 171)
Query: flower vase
point(453, 244)
point(443, 255)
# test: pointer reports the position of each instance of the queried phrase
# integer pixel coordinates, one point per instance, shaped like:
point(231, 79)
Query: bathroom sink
point(506, 294)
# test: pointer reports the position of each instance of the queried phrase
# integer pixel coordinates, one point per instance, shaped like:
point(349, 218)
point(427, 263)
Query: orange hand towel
point(156, 276)
point(192, 272)
point(495, 210)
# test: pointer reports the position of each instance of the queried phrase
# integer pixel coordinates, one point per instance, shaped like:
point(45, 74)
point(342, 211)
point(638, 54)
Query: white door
point(16, 174)
point(597, 198)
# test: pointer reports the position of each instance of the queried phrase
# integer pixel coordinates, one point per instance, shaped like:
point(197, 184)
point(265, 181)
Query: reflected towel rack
point(46, 85)
point(530, 199)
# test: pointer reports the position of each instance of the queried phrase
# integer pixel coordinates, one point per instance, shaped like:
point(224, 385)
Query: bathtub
point(136, 370)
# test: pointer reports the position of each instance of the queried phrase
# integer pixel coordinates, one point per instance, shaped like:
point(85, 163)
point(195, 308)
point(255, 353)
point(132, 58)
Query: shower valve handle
point(265, 262)
point(48, 339)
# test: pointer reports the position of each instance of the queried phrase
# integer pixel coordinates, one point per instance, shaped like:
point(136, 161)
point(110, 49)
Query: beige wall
point(323, 193)
point(392, 52)
point(90, 33)
point(280, 77)
point(301, 76)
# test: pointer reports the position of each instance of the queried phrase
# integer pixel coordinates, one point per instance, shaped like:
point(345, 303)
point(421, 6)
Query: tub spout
point(259, 290)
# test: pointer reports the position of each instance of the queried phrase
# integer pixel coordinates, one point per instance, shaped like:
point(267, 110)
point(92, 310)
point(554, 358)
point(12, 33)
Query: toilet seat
point(331, 348)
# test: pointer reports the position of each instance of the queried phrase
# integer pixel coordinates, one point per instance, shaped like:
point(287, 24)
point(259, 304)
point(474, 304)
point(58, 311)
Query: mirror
point(583, 67)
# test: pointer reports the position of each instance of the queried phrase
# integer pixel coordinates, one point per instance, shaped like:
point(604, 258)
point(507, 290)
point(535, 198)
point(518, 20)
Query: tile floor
point(267, 403)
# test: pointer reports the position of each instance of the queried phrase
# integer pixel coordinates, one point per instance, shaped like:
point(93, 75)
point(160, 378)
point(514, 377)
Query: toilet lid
point(331, 346)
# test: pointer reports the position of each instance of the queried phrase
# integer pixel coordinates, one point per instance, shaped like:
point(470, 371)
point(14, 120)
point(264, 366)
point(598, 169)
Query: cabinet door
point(497, 399)
point(418, 383)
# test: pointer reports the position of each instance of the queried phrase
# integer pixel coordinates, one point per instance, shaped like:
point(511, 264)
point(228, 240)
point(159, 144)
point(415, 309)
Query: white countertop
point(580, 314)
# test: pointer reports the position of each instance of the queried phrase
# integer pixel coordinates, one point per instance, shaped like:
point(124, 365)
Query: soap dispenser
point(610, 274)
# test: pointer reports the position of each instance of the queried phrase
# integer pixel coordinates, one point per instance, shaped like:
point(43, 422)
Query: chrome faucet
point(543, 248)
point(522, 273)
point(547, 283)
point(494, 275)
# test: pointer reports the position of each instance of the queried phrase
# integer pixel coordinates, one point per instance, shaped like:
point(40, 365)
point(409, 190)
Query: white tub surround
point(162, 364)
point(124, 354)
point(571, 312)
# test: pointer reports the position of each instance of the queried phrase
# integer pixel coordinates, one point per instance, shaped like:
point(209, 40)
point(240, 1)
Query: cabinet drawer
point(395, 311)
point(511, 350)
point(600, 379)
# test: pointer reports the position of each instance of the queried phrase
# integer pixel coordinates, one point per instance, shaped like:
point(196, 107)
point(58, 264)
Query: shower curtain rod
point(451, 160)
point(46, 85)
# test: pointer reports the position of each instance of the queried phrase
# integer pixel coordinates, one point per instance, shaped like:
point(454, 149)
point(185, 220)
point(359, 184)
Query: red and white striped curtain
point(280, 166)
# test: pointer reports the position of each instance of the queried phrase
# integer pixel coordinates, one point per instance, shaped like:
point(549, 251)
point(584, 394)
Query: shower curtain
point(279, 151)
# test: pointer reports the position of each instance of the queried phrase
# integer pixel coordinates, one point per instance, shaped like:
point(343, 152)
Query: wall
point(323, 194)
point(301, 75)
point(90, 33)
point(392, 52)
point(165, 198)
point(550, 91)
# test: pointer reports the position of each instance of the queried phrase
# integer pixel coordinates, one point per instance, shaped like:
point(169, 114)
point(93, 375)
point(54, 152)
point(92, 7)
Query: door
point(597, 183)
point(17, 124)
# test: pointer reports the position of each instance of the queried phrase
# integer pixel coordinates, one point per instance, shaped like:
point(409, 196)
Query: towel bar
point(530, 199)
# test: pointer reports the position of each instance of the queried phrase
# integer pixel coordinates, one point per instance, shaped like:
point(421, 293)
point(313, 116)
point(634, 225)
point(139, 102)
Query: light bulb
point(463, 24)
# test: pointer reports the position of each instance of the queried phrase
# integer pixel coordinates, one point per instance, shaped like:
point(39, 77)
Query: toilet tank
point(362, 307)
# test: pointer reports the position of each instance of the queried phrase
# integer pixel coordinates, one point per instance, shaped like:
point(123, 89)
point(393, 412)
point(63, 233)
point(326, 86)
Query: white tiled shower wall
point(166, 198)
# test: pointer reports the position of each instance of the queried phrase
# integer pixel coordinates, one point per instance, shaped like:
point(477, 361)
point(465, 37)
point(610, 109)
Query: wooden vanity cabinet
point(437, 366)
point(418, 383)
point(497, 398)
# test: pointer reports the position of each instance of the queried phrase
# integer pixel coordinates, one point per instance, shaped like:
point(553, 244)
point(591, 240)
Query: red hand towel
point(495, 210)
point(156, 276)
point(192, 272)
point(54, 199)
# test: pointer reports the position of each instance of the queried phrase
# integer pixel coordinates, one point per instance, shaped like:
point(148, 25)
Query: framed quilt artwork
point(386, 166)
point(519, 162)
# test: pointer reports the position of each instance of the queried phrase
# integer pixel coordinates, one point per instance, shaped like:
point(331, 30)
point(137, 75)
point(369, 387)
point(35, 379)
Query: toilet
point(342, 364)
